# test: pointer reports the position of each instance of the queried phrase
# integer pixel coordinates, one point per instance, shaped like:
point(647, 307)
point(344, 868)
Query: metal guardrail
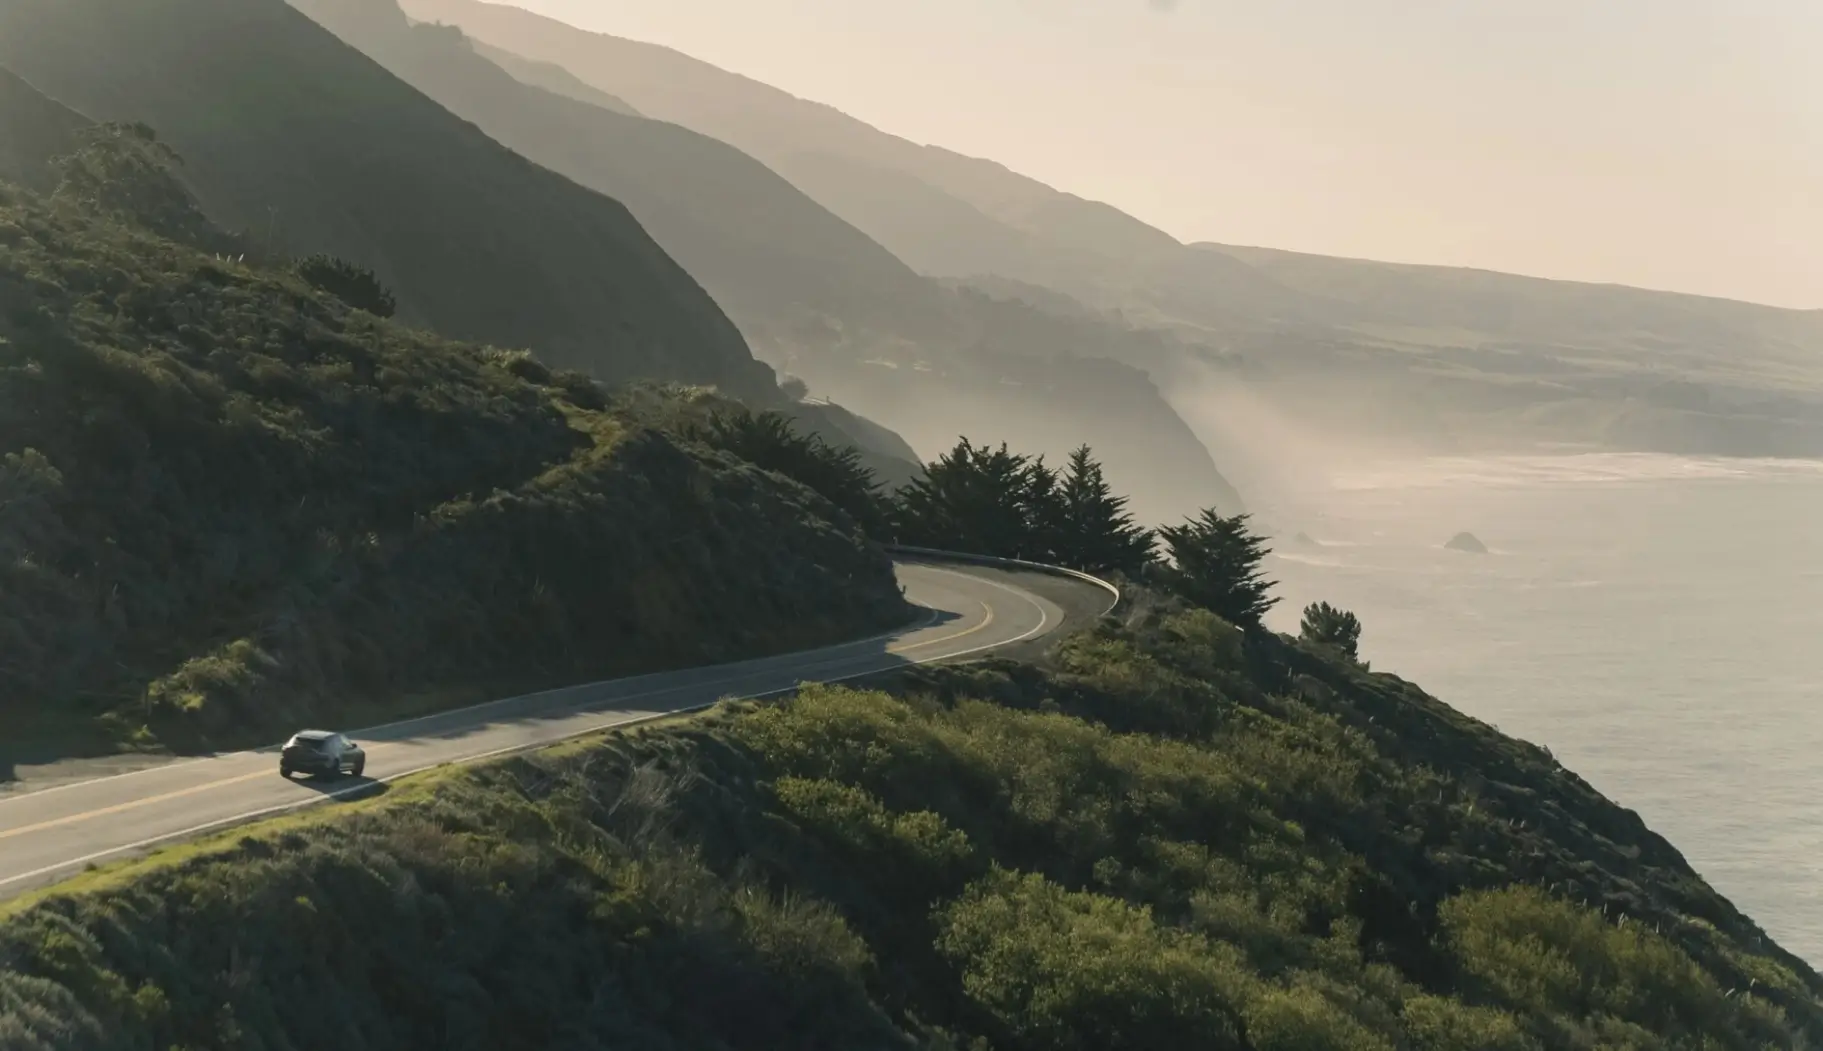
point(1012, 563)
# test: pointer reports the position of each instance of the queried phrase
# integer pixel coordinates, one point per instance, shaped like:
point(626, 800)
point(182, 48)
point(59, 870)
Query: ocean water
point(1657, 622)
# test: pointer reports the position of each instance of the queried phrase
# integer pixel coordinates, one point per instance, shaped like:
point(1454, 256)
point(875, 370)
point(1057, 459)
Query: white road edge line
point(1044, 620)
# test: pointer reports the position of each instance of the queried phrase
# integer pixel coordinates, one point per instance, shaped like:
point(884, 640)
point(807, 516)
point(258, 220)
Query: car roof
point(314, 735)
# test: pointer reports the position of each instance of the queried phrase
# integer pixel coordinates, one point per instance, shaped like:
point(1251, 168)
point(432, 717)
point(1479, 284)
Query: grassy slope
point(295, 137)
point(1164, 841)
point(229, 504)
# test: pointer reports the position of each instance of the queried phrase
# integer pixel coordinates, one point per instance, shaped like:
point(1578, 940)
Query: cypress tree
point(1215, 563)
point(973, 499)
point(1330, 626)
point(1095, 533)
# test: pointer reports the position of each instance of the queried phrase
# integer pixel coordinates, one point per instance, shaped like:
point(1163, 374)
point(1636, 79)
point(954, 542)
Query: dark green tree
point(771, 441)
point(355, 285)
point(1046, 512)
point(980, 500)
point(1093, 531)
point(1215, 563)
point(1327, 625)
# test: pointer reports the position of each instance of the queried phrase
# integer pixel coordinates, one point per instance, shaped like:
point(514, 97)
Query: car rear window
point(315, 745)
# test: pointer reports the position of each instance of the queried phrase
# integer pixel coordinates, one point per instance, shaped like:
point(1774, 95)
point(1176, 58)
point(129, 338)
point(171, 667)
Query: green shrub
point(355, 285)
point(1437, 1023)
point(1549, 957)
point(1301, 1019)
point(1072, 970)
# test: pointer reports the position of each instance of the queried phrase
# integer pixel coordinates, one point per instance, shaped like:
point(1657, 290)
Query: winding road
point(968, 610)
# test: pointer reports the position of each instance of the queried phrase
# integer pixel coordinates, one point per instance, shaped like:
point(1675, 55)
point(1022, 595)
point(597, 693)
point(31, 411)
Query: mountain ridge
point(746, 117)
point(553, 78)
point(812, 294)
point(1668, 380)
point(290, 135)
point(1266, 252)
point(33, 130)
point(752, 239)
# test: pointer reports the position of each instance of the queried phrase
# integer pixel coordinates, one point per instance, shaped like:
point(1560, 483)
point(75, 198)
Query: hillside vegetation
point(1174, 837)
point(304, 145)
point(231, 503)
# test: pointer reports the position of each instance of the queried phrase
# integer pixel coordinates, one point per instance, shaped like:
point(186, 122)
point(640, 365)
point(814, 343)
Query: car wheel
point(360, 766)
point(285, 772)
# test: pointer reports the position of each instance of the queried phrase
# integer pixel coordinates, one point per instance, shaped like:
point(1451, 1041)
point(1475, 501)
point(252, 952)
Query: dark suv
point(321, 753)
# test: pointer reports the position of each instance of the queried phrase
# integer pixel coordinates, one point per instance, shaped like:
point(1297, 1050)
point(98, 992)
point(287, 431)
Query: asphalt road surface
point(968, 611)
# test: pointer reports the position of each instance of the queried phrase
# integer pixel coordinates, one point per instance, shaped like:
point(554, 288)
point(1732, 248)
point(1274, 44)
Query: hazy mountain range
point(812, 293)
point(1436, 359)
point(936, 295)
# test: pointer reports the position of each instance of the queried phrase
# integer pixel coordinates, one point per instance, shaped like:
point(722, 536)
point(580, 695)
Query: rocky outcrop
point(1468, 542)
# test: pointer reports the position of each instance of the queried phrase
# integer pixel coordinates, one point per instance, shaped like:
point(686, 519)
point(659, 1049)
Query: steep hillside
point(773, 258)
point(230, 504)
point(942, 212)
point(1170, 839)
point(306, 145)
point(552, 78)
point(812, 294)
point(33, 129)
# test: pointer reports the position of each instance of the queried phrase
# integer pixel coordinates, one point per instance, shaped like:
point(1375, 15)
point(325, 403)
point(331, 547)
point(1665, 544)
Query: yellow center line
point(72, 819)
point(983, 626)
point(130, 805)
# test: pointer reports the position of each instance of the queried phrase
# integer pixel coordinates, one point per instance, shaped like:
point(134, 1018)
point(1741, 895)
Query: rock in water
point(1467, 542)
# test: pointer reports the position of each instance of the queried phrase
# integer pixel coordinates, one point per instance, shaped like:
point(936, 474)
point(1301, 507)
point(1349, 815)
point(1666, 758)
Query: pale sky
point(1672, 144)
